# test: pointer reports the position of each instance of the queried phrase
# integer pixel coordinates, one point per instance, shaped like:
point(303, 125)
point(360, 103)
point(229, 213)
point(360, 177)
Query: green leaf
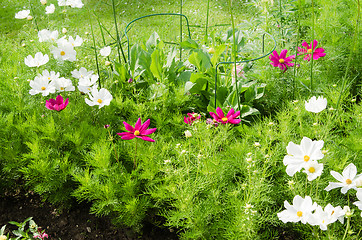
point(121, 71)
point(136, 50)
point(247, 110)
point(189, 44)
point(218, 51)
point(200, 60)
point(153, 41)
point(156, 67)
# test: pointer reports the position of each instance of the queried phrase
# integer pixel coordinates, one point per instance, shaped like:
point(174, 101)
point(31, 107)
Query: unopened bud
point(43, 2)
point(188, 134)
point(64, 30)
point(107, 63)
point(29, 17)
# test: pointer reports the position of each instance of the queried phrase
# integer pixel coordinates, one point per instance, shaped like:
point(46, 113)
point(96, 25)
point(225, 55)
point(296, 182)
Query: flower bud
point(211, 50)
point(64, 30)
point(188, 134)
point(29, 17)
point(107, 63)
point(44, 2)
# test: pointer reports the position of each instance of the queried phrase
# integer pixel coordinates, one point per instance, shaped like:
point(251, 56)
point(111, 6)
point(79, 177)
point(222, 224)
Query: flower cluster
point(283, 62)
point(305, 211)
point(50, 82)
point(191, 118)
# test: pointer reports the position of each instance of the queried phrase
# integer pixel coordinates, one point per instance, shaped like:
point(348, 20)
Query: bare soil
point(73, 224)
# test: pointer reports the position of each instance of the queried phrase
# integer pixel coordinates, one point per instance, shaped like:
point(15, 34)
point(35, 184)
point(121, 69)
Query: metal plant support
point(158, 14)
point(244, 61)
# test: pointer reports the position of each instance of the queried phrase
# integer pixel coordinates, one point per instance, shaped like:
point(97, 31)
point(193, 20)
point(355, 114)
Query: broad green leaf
point(247, 110)
point(189, 44)
point(156, 67)
point(152, 41)
point(200, 60)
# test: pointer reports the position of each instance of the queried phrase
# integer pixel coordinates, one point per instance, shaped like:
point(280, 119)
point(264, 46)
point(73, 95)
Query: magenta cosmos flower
point(191, 117)
point(57, 104)
point(140, 131)
point(282, 61)
point(317, 53)
point(229, 118)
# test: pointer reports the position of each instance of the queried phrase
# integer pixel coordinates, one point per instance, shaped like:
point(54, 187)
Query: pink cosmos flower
point(140, 131)
point(229, 118)
point(41, 235)
point(282, 61)
point(56, 104)
point(191, 117)
point(317, 53)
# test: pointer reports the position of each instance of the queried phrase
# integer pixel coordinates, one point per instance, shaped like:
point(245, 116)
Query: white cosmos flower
point(316, 105)
point(65, 51)
point(101, 98)
point(85, 84)
point(75, 42)
point(51, 76)
point(301, 210)
point(50, 9)
point(47, 36)
point(299, 155)
point(81, 73)
point(313, 169)
point(22, 14)
point(36, 61)
point(105, 51)
point(62, 84)
point(347, 179)
point(41, 85)
point(359, 202)
point(62, 3)
point(327, 216)
point(75, 3)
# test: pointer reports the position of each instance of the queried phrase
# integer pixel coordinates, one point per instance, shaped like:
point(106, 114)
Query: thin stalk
point(312, 46)
point(135, 154)
point(114, 147)
point(119, 46)
point(33, 14)
point(180, 29)
point(95, 48)
point(347, 227)
point(235, 55)
point(350, 55)
point(207, 21)
point(296, 49)
point(104, 40)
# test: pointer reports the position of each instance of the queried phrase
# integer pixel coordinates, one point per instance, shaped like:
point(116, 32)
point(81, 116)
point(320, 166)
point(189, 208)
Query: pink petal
point(235, 121)
point(315, 43)
point(274, 64)
point(219, 112)
point(148, 131)
point(307, 57)
point(230, 113)
point(283, 53)
point(216, 117)
point(148, 139)
point(275, 54)
point(49, 105)
point(126, 135)
point(237, 114)
point(305, 44)
point(290, 58)
point(65, 104)
point(128, 127)
point(319, 50)
point(187, 121)
point(302, 50)
point(145, 125)
point(59, 100)
point(138, 124)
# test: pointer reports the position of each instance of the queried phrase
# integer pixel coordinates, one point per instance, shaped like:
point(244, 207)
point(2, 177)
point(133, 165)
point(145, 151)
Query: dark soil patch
point(73, 224)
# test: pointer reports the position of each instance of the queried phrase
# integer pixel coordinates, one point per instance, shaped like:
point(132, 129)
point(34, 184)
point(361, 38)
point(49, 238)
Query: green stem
point(207, 21)
point(180, 29)
point(95, 48)
point(135, 154)
point(235, 55)
point(104, 40)
point(312, 46)
point(33, 13)
point(350, 55)
point(114, 147)
point(296, 49)
point(347, 227)
point(119, 46)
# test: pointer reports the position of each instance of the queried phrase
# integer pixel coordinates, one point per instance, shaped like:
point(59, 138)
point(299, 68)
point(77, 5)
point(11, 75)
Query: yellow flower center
point(62, 53)
point(224, 119)
point(311, 169)
point(99, 101)
point(137, 133)
point(309, 50)
point(43, 88)
point(48, 78)
point(348, 181)
point(62, 88)
point(306, 158)
point(281, 60)
point(299, 213)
